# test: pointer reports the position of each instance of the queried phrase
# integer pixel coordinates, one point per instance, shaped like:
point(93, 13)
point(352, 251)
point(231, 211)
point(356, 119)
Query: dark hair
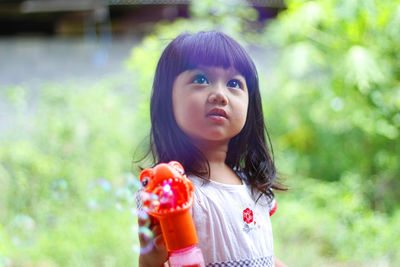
point(248, 152)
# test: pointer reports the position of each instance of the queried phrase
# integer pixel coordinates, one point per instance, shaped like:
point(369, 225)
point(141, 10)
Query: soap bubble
point(142, 215)
point(150, 201)
point(144, 218)
point(136, 248)
point(135, 232)
point(337, 104)
point(144, 232)
point(132, 183)
point(126, 196)
point(148, 237)
point(99, 194)
point(59, 189)
point(22, 229)
point(124, 199)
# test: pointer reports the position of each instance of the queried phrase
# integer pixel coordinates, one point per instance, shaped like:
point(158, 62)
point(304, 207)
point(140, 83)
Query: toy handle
point(187, 257)
point(178, 230)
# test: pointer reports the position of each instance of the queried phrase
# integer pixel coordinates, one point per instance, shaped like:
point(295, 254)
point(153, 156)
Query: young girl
point(206, 113)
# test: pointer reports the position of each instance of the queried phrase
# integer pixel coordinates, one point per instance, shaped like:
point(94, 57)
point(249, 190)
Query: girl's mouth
point(217, 113)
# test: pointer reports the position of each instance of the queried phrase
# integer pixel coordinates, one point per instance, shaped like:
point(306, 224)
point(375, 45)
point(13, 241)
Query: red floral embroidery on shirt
point(248, 216)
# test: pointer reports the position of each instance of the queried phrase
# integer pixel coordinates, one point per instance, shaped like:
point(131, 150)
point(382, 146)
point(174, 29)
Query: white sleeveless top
point(232, 229)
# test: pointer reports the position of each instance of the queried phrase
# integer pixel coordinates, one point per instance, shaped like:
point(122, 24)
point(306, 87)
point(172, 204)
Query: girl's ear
point(177, 166)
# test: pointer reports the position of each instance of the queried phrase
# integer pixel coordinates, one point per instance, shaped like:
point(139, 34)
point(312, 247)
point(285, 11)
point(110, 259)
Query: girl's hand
point(158, 254)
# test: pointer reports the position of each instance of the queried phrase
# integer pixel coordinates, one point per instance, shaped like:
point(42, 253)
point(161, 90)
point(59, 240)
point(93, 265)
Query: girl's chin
point(211, 139)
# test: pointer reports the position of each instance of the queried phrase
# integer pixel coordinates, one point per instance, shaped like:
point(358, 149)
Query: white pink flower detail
point(248, 216)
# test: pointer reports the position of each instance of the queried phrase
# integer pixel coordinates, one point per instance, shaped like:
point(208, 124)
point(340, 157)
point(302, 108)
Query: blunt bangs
point(213, 49)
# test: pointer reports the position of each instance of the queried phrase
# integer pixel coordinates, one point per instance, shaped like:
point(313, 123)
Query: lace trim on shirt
point(260, 262)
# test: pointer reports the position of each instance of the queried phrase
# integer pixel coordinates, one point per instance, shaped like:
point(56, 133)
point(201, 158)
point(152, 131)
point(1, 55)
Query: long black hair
point(248, 152)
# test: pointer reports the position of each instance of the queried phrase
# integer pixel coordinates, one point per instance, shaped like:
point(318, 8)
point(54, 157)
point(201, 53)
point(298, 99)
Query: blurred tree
point(337, 89)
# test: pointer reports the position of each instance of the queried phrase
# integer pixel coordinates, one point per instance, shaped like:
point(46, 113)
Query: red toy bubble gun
point(168, 195)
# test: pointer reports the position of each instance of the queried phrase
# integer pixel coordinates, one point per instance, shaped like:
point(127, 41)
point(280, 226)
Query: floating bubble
point(143, 215)
point(144, 218)
point(148, 239)
point(135, 232)
point(22, 229)
point(150, 201)
point(131, 183)
point(154, 201)
point(99, 194)
point(146, 233)
point(337, 104)
point(59, 189)
point(136, 248)
point(124, 199)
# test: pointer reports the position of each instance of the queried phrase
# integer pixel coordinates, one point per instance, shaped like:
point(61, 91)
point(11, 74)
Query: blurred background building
point(90, 38)
point(82, 17)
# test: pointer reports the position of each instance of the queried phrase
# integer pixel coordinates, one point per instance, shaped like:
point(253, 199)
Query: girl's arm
point(278, 263)
point(159, 254)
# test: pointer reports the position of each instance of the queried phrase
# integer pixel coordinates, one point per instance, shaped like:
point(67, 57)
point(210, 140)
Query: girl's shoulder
point(242, 177)
point(268, 201)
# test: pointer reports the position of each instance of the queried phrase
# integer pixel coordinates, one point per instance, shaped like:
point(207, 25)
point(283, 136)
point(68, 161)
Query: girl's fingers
point(154, 226)
point(156, 235)
point(156, 229)
point(147, 220)
point(142, 222)
point(153, 221)
point(143, 218)
point(145, 238)
point(159, 242)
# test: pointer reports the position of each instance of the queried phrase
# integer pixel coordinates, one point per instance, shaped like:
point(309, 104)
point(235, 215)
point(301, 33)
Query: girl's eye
point(200, 79)
point(234, 84)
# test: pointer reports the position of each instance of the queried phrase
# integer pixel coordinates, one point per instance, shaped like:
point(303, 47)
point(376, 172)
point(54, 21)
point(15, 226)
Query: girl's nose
point(218, 98)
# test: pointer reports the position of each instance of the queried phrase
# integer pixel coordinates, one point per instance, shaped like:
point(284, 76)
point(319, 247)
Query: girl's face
point(210, 103)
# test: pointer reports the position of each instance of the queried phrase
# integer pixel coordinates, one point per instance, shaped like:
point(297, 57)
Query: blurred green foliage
point(337, 81)
point(330, 86)
point(334, 93)
point(62, 172)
